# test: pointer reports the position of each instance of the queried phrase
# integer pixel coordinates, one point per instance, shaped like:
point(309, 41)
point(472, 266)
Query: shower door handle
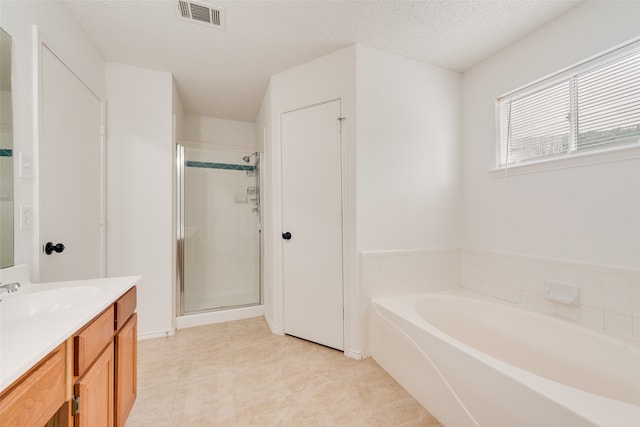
point(286, 236)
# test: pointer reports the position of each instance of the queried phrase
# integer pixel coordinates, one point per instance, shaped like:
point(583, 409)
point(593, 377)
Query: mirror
point(6, 153)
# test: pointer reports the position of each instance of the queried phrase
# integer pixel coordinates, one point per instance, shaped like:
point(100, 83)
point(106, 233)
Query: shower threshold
point(189, 320)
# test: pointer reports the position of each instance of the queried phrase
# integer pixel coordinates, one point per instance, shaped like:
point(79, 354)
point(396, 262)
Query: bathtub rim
point(582, 403)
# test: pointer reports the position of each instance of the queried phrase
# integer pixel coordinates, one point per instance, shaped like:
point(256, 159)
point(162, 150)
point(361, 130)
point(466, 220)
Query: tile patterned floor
point(239, 374)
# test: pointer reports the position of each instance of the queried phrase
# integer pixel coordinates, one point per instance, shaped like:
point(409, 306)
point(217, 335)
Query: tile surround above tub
point(609, 296)
point(403, 272)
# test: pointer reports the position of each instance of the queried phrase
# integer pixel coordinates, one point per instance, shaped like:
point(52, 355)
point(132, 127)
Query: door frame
point(39, 44)
point(352, 301)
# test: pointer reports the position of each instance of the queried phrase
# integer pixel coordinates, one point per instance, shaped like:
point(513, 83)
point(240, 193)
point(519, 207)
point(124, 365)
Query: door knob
point(286, 236)
point(49, 248)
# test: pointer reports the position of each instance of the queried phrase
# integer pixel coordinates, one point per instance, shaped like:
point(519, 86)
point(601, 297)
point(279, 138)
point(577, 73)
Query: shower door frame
point(180, 232)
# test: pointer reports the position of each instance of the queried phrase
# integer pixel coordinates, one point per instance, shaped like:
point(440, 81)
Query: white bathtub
point(475, 362)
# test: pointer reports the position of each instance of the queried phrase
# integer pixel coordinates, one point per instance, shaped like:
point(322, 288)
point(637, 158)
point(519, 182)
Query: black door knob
point(286, 236)
point(49, 248)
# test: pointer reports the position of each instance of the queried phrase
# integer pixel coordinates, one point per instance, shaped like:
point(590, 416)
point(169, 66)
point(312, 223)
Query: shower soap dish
point(562, 293)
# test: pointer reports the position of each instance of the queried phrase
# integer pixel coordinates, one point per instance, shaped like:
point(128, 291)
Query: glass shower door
point(219, 228)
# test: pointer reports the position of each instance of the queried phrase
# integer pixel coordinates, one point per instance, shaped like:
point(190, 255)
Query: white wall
point(212, 130)
point(64, 36)
point(409, 152)
point(408, 177)
point(326, 78)
point(587, 214)
point(402, 154)
point(178, 111)
point(140, 167)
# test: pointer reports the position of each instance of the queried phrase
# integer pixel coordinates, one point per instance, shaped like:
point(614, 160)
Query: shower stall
point(218, 229)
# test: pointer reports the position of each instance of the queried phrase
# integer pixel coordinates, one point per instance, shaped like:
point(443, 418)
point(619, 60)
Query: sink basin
point(27, 306)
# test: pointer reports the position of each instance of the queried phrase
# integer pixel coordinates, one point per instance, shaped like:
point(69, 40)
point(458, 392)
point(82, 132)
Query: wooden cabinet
point(126, 351)
point(90, 380)
point(91, 340)
point(105, 364)
point(94, 392)
point(126, 369)
point(38, 394)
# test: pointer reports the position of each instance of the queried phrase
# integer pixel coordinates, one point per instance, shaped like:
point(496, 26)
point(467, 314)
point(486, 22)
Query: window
point(595, 105)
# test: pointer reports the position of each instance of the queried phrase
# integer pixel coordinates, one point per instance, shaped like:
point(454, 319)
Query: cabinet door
point(36, 396)
point(126, 369)
point(95, 390)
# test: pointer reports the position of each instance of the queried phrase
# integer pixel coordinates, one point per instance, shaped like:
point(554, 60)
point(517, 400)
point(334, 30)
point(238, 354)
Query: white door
point(312, 214)
point(70, 175)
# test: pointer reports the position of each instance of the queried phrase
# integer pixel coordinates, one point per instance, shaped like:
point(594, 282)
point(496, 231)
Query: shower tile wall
point(609, 296)
point(221, 234)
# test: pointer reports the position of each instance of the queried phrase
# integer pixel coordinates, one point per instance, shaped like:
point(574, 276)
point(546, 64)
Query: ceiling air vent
point(201, 13)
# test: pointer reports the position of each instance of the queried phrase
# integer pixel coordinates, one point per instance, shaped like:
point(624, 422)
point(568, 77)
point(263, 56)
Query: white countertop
point(26, 341)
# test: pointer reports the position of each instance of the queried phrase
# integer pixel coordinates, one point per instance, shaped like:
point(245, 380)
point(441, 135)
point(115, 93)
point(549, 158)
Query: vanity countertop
point(26, 340)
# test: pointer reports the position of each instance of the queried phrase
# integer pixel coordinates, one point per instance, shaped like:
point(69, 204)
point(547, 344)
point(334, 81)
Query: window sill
point(570, 161)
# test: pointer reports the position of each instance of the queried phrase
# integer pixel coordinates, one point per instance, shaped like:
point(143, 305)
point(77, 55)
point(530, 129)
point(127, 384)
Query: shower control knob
point(286, 236)
point(49, 248)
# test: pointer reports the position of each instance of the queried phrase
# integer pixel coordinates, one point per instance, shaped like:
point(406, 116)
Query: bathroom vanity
point(68, 353)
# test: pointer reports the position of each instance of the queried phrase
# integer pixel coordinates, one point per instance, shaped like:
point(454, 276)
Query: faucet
point(8, 288)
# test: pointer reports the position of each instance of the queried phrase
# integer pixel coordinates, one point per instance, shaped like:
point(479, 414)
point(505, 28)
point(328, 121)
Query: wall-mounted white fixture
point(562, 293)
point(25, 165)
point(201, 13)
point(25, 218)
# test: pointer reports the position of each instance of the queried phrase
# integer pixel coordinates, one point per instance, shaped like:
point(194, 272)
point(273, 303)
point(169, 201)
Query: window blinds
point(609, 103)
point(591, 107)
point(537, 125)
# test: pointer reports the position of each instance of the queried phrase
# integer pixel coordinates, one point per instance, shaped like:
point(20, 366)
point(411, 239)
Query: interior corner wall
point(212, 130)
point(408, 153)
point(140, 169)
point(326, 78)
point(178, 111)
point(587, 214)
point(66, 39)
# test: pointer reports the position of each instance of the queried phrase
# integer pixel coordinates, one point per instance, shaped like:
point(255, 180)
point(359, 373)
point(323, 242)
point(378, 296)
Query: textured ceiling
point(225, 73)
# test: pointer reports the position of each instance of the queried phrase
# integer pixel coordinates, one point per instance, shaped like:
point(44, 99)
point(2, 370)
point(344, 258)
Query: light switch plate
point(25, 165)
point(26, 218)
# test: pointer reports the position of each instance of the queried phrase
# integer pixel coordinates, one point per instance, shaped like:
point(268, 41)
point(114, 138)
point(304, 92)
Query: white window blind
point(537, 125)
point(592, 106)
point(609, 103)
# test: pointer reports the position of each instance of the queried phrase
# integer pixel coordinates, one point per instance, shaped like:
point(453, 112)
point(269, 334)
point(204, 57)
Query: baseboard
point(159, 334)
